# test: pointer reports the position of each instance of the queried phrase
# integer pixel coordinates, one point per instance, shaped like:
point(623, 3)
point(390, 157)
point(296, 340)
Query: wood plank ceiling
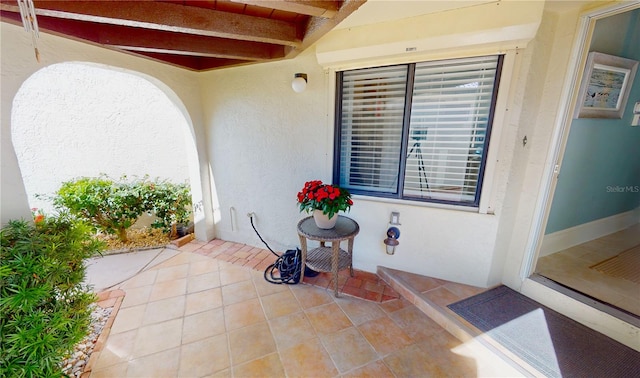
point(196, 35)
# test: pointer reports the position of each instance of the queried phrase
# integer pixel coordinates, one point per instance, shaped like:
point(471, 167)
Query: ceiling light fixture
point(299, 83)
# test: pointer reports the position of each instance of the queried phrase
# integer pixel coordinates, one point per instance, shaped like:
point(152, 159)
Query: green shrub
point(170, 202)
point(43, 304)
point(112, 207)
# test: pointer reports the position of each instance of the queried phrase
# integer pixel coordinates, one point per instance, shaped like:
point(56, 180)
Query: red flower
point(318, 196)
point(322, 194)
point(39, 218)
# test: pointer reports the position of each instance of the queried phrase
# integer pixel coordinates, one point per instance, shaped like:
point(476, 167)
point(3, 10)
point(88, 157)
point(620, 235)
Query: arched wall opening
point(84, 119)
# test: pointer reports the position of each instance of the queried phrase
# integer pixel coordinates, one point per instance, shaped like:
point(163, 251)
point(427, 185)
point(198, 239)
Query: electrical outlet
point(395, 218)
point(251, 215)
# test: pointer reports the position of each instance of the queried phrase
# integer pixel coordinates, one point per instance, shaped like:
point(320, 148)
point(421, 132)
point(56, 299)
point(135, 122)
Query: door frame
point(558, 298)
point(562, 127)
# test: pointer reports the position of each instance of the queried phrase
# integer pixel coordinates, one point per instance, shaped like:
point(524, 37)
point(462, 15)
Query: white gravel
point(74, 365)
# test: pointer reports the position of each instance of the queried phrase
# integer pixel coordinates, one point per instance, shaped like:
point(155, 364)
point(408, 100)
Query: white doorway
point(572, 238)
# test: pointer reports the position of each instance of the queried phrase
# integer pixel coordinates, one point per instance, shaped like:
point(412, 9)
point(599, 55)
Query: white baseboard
point(583, 233)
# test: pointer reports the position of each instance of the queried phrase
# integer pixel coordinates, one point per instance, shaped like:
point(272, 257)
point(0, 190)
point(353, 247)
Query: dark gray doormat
point(549, 341)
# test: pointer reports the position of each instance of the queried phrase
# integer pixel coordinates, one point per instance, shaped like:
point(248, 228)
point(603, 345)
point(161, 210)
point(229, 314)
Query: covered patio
point(205, 312)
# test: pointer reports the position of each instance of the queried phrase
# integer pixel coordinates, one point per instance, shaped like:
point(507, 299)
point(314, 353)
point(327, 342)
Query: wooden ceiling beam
point(317, 27)
point(190, 62)
point(196, 35)
point(134, 39)
point(172, 17)
point(315, 8)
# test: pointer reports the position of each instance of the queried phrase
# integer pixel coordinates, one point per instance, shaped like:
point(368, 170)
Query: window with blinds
point(417, 131)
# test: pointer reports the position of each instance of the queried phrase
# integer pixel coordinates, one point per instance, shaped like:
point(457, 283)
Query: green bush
point(170, 202)
point(112, 207)
point(43, 304)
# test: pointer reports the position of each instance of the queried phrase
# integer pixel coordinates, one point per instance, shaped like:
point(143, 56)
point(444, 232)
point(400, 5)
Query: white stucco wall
point(74, 119)
point(543, 116)
point(265, 141)
point(180, 86)
point(535, 100)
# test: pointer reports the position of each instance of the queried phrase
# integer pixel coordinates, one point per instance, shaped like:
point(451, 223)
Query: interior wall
point(600, 173)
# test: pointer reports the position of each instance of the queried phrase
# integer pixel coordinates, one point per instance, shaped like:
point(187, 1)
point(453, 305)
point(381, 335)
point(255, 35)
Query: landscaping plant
point(114, 206)
point(169, 202)
point(43, 305)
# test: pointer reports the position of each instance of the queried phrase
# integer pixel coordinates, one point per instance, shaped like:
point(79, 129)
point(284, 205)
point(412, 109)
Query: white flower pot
point(323, 221)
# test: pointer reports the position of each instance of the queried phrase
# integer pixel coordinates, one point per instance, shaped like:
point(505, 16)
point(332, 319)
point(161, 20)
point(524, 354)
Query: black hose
point(261, 239)
point(286, 268)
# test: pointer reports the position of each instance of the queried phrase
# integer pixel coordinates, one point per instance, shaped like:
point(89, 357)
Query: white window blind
point(416, 131)
point(449, 116)
point(373, 102)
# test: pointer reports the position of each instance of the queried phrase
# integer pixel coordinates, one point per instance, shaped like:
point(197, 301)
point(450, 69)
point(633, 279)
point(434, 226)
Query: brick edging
point(111, 298)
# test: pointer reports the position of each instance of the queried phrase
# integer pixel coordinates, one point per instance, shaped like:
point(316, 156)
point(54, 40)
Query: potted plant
point(324, 201)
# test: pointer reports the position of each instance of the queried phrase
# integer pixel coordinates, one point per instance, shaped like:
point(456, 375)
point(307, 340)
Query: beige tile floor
point(571, 267)
point(195, 316)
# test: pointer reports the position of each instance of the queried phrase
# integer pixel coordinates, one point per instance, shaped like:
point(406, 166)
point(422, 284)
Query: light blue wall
point(600, 174)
